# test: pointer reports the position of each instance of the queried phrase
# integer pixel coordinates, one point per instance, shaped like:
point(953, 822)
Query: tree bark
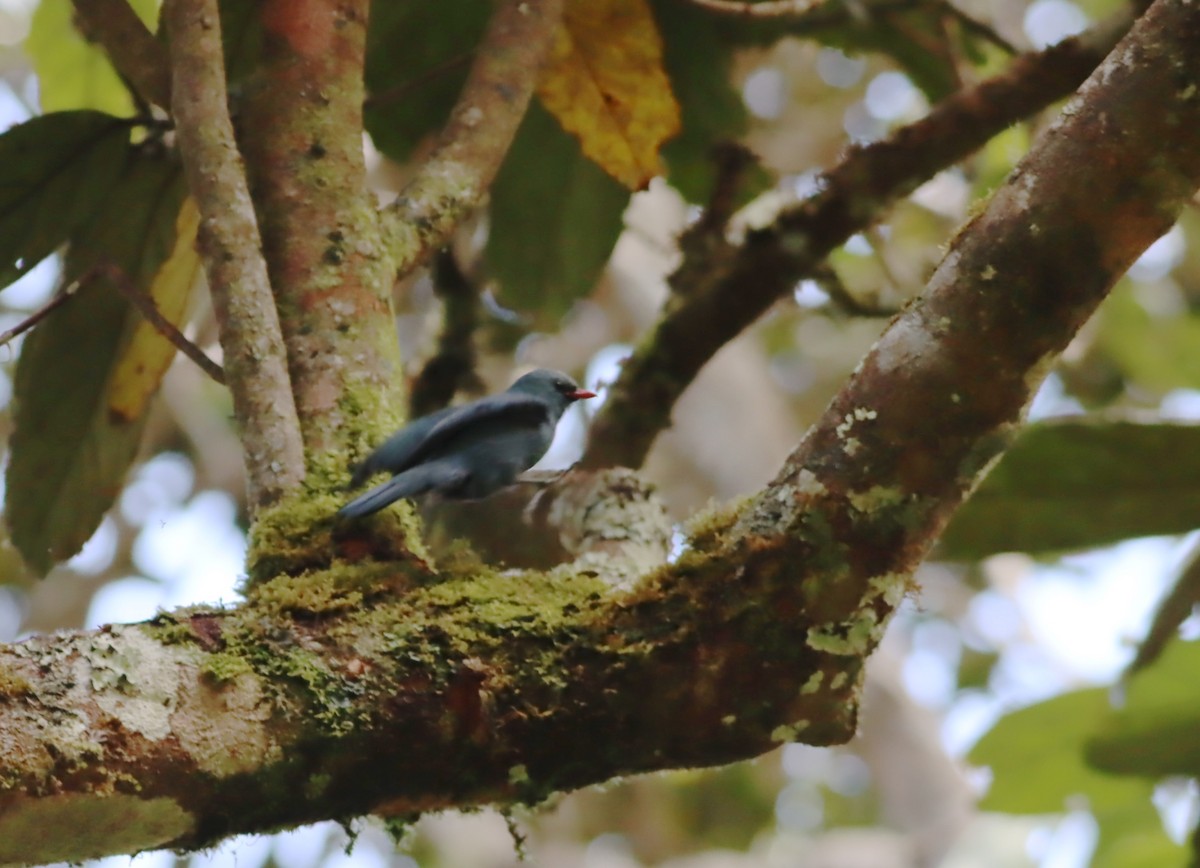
point(394, 688)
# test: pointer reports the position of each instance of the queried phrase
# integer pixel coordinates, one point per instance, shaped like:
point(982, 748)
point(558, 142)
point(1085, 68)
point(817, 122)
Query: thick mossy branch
point(323, 684)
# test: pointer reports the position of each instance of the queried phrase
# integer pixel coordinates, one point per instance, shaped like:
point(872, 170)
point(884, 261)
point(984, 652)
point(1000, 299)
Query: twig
point(229, 240)
point(134, 52)
point(404, 88)
point(829, 280)
point(768, 9)
point(479, 132)
point(731, 159)
point(66, 294)
point(149, 310)
point(453, 365)
point(733, 286)
point(978, 28)
point(1174, 609)
point(140, 300)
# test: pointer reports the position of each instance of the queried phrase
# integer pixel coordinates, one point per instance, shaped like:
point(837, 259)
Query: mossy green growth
point(223, 666)
point(339, 588)
point(291, 536)
point(13, 684)
point(301, 534)
point(328, 698)
point(708, 529)
point(172, 628)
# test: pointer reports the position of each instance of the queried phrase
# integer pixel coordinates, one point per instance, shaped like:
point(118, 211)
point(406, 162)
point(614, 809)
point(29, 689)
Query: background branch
point(134, 52)
point(720, 289)
point(452, 366)
point(255, 360)
point(477, 137)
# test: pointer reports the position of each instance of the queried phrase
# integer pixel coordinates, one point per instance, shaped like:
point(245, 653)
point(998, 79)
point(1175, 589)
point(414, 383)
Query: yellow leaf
point(605, 83)
point(148, 354)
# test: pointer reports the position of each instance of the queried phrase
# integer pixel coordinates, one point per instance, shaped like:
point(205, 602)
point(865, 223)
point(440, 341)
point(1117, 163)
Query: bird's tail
point(411, 483)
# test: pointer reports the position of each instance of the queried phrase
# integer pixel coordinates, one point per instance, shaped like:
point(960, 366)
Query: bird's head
point(552, 386)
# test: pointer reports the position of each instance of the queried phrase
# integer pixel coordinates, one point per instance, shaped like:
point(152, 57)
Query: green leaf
point(1077, 483)
point(1159, 352)
point(241, 36)
point(698, 49)
point(1156, 731)
point(55, 171)
point(418, 55)
point(1133, 837)
point(69, 450)
point(72, 72)
point(555, 217)
point(1036, 757)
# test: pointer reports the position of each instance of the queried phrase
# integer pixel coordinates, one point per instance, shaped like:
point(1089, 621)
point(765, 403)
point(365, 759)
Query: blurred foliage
point(71, 450)
point(604, 81)
point(73, 73)
point(1072, 484)
point(56, 170)
point(555, 219)
point(1155, 730)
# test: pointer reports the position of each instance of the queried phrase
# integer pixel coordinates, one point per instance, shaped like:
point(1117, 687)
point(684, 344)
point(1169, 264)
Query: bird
point(471, 451)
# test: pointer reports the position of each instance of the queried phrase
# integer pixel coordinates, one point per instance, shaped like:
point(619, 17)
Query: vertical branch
point(300, 128)
point(255, 363)
point(480, 130)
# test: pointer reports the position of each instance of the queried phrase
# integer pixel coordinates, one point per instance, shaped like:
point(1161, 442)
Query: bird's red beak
point(580, 394)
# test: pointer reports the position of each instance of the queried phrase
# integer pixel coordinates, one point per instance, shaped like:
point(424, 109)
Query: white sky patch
point(858, 245)
point(891, 96)
point(1087, 610)
point(765, 93)
point(837, 69)
point(1180, 405)
point(1050, 21)
point(946, 193)
point(1157, 261)
point(34, 288)
point(1052, 401)
point(98, 552)
point(197, 548)
point(808, 294)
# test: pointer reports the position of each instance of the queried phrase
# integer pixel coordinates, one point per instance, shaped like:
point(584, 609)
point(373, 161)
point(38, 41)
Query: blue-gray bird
point(471, 451)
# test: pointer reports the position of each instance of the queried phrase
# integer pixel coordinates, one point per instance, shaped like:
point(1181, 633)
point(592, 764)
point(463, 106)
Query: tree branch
point(452, 366)
point(768, 9)
point(477, 136)
point(391, 689)
point(134, 52)
point(229, 242)
point(145, 306)
point(721, 288)
point(331, 274)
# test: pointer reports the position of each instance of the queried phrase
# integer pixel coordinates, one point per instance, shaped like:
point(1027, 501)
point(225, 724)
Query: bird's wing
point(436, 476)
point(507, 408)
point(396, 453)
